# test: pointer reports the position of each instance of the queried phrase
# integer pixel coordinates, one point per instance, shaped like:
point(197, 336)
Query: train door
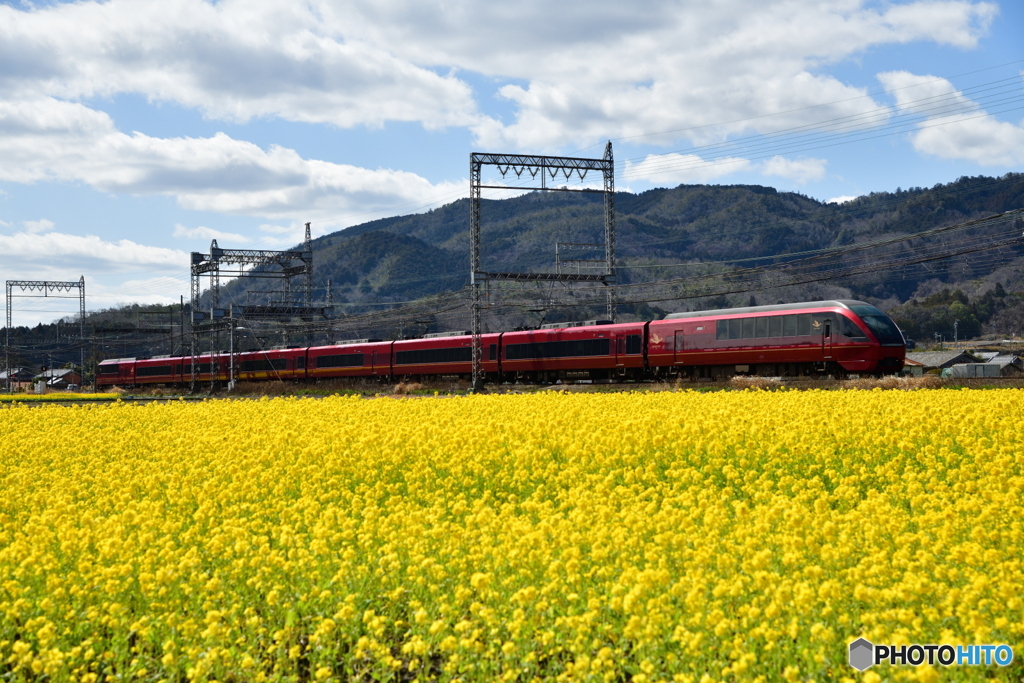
point(826, 339)
point(679, 347)
point(619, 343)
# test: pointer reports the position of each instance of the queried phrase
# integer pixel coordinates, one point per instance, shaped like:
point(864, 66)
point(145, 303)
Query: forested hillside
point(687, 223)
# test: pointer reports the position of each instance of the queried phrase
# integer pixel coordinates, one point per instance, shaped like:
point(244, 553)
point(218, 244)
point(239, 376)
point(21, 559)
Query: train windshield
point(882, 326)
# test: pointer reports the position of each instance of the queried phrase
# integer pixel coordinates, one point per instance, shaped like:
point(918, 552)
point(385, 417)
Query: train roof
point(844, 303)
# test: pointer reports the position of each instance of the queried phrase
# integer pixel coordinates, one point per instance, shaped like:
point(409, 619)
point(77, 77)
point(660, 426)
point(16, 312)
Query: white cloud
point(101, 292)
point(923, 94)
point(958, 24)
point(798, 170)
point(104, 264)
point(58, 251)
point(590, 71)
point(958, 128)
point(841, 200)
point(575, 71)
point(207, 234)
point(984, 140)
point(49, 139)
point(163, 290)
point(286, 236)
point(40, 226)
point(234, 60)
point(673, 169)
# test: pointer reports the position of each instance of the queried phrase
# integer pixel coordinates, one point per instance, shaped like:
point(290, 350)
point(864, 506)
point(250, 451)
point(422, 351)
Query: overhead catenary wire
point(863, 120)
point(884, 91)
point(768, 151)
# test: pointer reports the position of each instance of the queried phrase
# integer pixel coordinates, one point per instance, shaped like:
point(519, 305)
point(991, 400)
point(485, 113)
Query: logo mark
point(862, 654)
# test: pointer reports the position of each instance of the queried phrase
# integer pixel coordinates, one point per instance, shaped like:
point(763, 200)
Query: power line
point(799, 109)
point(868, 118)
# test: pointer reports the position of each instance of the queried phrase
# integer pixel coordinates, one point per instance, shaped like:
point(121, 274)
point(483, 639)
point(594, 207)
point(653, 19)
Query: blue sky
point(131, 132)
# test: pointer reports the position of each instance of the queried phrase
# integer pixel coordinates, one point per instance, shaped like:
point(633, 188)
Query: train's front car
point(887, 356)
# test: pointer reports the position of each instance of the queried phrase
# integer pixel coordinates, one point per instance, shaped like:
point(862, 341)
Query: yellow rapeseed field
point(672, 536)
point(55, 396)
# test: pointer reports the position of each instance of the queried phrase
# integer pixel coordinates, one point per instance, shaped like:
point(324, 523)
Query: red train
point(813, 338)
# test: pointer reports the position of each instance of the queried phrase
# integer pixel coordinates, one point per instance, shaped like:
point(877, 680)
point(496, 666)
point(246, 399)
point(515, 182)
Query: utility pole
point(231, 356)
point(330, 310)
point(181, 319)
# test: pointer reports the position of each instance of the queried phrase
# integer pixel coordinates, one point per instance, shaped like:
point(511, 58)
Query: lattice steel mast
point(546, 167)
point(47, 287)
point(259, 263)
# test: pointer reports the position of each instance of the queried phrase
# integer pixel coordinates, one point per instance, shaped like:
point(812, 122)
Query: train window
point(492, 352)
point(748, 328)
point(177, 369)
point(264, 365)
point(735, 329)
point(300, 363)
point(789, 326)
point(880, 325)
point(885, 330)
point(803, 324)
point(722, 330)
point(558, 349)
point(633, 344)
point(457, 354)
point(848, 328)
point(203, 368)
point(341, 360)
point(761, 328)
point(108, 369)
point(775, 326)
point(154, 370)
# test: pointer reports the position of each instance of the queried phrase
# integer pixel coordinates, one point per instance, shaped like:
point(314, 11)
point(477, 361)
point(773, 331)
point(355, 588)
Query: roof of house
point(55, 373)
point(1005, 359)
point(941, 359)
point(16, 373)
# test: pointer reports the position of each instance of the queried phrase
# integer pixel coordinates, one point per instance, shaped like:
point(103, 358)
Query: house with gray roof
point(20, 378)
point(941, 359)
point(59, 378)
point(1009, 364)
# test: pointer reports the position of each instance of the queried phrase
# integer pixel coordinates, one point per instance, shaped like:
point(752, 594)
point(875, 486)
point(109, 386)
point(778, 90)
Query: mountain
point(713, 230)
